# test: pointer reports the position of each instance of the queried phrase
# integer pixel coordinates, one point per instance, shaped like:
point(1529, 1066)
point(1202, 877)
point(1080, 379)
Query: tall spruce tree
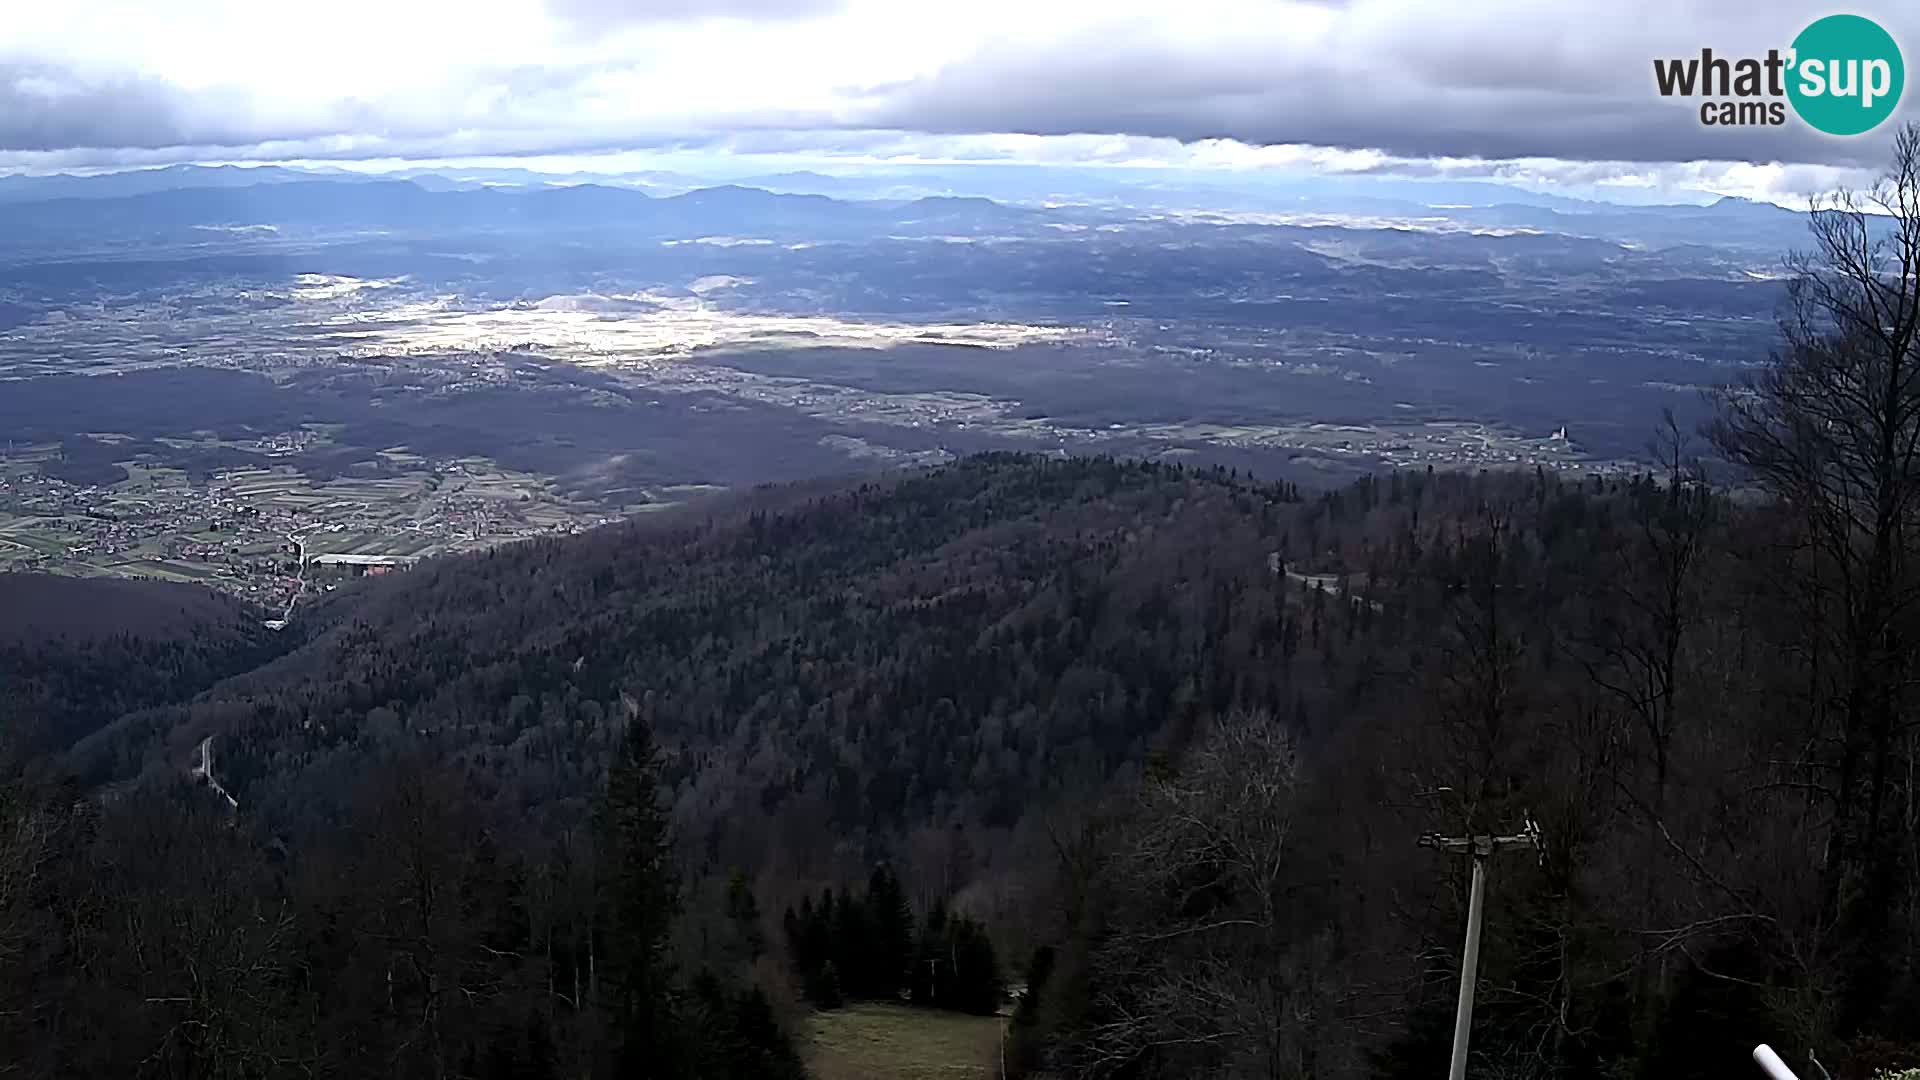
point(974, 985)
point(639, 898)
point(890, 922)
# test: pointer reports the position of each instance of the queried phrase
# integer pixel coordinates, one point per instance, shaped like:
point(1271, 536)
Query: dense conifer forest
point(1152, 748)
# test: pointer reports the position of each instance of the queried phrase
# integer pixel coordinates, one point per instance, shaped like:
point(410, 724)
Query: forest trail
point(203, 769)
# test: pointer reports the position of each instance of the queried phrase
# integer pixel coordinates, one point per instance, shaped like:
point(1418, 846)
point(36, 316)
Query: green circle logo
point(1846, 75)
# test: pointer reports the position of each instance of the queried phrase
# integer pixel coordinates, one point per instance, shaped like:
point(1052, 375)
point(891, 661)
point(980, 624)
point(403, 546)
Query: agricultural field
point(164, 508)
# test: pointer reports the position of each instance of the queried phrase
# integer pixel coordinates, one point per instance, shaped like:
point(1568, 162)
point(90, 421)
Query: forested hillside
point(1158, 746)
point(895, 671)
point(941, 650)
point(76, 653)
point(1179, 731)
point(1700, 706)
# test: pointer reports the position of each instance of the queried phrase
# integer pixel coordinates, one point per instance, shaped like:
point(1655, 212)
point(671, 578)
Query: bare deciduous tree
point(1209, 970)
point(1832, 429)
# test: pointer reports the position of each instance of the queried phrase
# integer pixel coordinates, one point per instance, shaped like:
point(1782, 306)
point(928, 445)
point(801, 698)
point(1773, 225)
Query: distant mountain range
point(1003, 183)
point(176, 203)
point(296, 201)
point(19, 189)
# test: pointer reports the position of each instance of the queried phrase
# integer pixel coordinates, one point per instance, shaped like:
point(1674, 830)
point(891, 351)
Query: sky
point(1534, 91)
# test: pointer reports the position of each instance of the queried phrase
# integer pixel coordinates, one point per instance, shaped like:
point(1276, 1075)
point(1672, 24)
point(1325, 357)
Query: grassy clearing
point(867, 1041)
point(42, 542)
point(171, 571)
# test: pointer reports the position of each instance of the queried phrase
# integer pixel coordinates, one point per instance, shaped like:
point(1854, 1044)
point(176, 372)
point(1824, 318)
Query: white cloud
point(1358, 86)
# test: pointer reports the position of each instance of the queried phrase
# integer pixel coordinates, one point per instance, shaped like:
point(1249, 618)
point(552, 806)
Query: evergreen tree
point(639, 898)
point(761, 1049)
point(739, 1037)
point(800, 942)
point(1025, 1040)
point(852, 948)
point(890, 924)
point(744, 910)
point(955, 967)
point(826, 990)
point(975, 985)
point(930, 958)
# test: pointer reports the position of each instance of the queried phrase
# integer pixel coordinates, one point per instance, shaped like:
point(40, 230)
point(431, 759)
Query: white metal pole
point(1764, 1057)
point(1469, 968)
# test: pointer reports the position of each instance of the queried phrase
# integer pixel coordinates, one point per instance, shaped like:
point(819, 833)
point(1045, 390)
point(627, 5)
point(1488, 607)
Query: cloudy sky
point(1535, 90)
